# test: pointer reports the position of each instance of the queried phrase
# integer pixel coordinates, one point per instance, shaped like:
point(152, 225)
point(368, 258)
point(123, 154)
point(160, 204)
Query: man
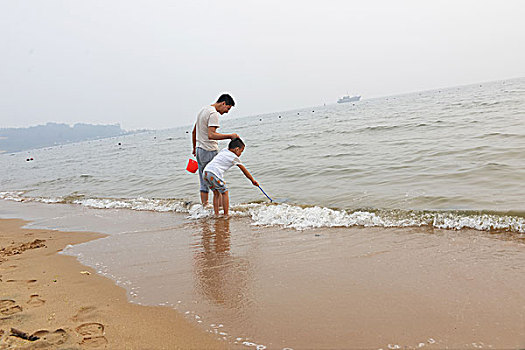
point(205, 137)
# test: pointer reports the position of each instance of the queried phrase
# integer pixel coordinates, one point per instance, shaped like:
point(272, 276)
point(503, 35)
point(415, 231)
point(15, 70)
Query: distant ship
point(347, 98)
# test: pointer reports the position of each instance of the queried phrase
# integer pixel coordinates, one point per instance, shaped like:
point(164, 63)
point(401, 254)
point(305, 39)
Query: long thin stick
point(265, 194)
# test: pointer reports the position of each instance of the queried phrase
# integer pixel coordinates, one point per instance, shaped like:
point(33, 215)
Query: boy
point(214, 173)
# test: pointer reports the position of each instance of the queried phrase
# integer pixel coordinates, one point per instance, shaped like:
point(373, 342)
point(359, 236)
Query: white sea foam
point(18, 196)
point(197, 211)
point(12, 196)
point(297, 217)
point(141, 204)
point(314, 217)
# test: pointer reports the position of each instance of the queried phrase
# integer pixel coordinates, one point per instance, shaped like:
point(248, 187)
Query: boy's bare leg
point(216, 202)
point(225, 203)
point(204, 198)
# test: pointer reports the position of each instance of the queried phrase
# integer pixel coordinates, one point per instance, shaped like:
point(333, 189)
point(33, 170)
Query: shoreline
point(53, 300)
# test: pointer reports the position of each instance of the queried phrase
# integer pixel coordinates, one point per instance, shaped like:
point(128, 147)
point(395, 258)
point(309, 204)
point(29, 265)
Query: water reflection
point(220, 276)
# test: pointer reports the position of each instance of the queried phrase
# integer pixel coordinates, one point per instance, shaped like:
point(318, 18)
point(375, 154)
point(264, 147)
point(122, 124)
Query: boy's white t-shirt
point(208, 116)
point(223, 161)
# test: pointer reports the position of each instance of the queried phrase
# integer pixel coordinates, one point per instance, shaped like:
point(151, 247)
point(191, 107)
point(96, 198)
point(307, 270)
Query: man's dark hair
point(235, 143)
point(226, 99)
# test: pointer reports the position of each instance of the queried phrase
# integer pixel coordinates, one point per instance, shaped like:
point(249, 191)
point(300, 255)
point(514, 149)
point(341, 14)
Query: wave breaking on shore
point(302, 217)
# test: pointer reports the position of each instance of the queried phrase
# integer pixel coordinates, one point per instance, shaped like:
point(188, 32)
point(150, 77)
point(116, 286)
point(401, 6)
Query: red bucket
point(192, 166)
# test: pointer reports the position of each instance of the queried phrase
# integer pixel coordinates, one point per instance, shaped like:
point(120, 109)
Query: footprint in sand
point(6, 303)
point(8, 307)
point(90, 329)
point(21, 281)
point(85, 313)
point(93, 334)
point(57, 337)
point(94, 342)
point(35, 300)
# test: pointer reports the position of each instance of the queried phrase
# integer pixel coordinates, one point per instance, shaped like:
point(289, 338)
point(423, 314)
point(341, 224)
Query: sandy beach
point(52, 301)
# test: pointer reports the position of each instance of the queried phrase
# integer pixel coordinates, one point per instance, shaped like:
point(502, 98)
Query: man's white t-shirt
point(208, 116)
point(223, 161)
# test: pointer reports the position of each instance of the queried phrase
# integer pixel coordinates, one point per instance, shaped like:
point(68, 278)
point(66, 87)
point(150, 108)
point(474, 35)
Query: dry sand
point(55, 302)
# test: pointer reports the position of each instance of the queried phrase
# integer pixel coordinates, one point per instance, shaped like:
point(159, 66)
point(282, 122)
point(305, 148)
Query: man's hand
point(234, 136)
point(255, 183)
point(194, 152)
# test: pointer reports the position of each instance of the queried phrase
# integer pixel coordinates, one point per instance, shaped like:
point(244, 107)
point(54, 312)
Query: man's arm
point(214, 135)
point(194, 139)
point(247, 174)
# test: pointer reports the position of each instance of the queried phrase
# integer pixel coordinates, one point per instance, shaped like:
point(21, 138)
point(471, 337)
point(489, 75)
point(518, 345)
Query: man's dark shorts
point(203, 158)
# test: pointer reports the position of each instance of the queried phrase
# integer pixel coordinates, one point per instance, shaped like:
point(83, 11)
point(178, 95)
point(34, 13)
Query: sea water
point(448, 158)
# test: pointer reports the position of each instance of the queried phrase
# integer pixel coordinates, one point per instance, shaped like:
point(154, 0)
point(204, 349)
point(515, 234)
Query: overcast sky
point(154, 64)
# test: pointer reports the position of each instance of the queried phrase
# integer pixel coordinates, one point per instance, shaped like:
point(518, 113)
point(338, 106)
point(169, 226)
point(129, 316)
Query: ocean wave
point(316, 217)
point(289, 146)
point(301, 217)
point(140, 203)
point(15, 196)
point(500, 135)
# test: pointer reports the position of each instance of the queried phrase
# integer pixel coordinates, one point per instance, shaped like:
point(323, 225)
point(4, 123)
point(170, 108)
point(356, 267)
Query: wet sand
point(52, 301)
point(362, 287)
point(328, 288)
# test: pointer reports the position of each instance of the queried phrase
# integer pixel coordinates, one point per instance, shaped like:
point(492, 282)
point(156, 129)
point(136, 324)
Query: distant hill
point(19, 139)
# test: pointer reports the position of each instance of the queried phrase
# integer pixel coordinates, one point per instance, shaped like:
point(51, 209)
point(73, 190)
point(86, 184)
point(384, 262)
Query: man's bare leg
point(204, 198)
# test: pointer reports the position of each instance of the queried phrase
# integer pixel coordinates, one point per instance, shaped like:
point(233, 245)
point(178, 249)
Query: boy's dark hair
point(235, 143)
point(226, 99)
